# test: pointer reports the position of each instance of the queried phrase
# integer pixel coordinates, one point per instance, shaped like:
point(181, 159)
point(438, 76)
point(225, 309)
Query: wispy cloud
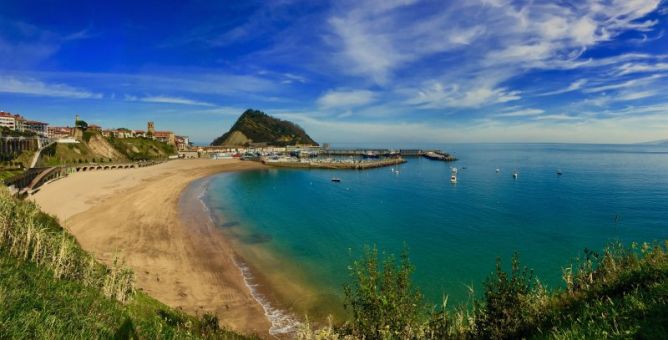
point(167, 100)
point(629, 68)
point(574, 86)
point(34, 87)
point(345, 98)
point(438, 96)
point(623, 85)
point(521, 113)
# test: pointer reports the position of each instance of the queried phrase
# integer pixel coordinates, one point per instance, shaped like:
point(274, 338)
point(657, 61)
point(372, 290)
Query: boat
point(453, 176)
point(370, 154)
point(498, 170)
point(515, 174)
point(559, 173)
point(336, 179)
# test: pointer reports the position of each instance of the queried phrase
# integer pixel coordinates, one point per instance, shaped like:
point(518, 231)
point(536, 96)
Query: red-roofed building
point(58, 132)
point(8, 120)
point(34, 126)
point(165, 136)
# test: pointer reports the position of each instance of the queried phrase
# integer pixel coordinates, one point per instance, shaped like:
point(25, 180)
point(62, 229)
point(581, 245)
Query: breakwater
point(334, 164)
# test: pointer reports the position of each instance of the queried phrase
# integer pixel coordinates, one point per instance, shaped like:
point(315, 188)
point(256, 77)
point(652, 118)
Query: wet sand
point(177, 258)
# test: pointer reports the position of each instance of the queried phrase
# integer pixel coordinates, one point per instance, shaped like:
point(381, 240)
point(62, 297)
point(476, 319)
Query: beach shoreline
point(177, 257)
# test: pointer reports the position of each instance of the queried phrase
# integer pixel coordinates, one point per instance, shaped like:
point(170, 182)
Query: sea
point(300, 232)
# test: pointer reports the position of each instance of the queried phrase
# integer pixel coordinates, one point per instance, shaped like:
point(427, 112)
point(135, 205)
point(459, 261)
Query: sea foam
point(282, 322)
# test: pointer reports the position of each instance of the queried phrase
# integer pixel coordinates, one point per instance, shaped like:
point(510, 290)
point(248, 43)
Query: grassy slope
point(631, 302)
point(133, 149)
point(59, 154)
point(142, 148)
point(51, 288)
point(9, 173)
point(36, 305)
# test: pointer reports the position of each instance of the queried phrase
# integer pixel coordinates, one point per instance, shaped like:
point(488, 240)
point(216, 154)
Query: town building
point(7, 120)
point(36, 127)
point(165, 137)
point(182, 143)
point(57, 132)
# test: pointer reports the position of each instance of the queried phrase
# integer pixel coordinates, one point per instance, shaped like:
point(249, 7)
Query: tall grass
point(51, 288)
point(31, 235)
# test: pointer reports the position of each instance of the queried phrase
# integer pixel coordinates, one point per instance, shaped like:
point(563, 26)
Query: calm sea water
point(454, 232)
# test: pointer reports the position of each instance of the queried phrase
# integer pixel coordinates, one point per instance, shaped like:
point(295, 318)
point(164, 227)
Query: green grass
point(38, 306)
point(69, 154)
point(9, 173)
point(137, 149)
point(51, 288)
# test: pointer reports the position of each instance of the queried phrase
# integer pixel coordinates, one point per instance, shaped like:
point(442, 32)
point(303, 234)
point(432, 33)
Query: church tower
point(150, 128)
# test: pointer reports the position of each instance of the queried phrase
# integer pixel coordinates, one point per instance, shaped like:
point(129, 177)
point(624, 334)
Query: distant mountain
point(656, 142)
point(258, 127)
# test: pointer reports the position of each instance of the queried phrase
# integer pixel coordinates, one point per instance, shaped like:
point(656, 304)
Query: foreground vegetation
point(51, 288)
point(621, 292)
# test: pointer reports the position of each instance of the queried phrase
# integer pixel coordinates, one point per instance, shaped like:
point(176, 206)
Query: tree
point(82, 124)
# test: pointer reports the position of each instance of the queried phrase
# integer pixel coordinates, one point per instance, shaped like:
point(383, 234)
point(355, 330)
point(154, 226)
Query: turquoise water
point(454, 232)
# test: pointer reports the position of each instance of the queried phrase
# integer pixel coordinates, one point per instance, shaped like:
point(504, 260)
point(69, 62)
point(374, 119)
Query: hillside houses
point(16, 122)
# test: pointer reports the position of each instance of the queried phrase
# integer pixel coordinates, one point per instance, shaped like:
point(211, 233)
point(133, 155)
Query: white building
point(7, 120)
point(36, 127)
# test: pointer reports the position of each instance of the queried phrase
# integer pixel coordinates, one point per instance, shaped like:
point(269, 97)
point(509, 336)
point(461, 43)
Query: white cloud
point(167, 100)
point(574, 86)
point(378, 40)
point(561, 116)
point(31, 86)
point(436, 95)
point(631, 125)
point(521, 113)
point(629, 68)
point(623, 85)
point(346, 99)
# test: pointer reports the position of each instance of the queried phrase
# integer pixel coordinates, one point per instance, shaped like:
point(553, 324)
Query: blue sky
point(381, 71)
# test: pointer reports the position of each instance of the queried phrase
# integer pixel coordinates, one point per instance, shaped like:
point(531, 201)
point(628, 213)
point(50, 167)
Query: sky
point(380, 71)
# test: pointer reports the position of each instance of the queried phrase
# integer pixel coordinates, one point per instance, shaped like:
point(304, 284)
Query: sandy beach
point(135, 213)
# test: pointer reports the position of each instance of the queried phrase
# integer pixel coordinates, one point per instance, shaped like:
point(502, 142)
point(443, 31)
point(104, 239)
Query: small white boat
point(515, 174)
point(336, 179)
point(453, 179)
point(498, 170)
point(559, 173)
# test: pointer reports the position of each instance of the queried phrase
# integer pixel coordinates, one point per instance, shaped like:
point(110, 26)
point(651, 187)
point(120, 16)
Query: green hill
point(255, 126)
point(50, 288)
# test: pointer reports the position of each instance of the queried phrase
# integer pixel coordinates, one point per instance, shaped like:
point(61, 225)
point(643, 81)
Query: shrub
point(506, 311)
point(382, 299)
